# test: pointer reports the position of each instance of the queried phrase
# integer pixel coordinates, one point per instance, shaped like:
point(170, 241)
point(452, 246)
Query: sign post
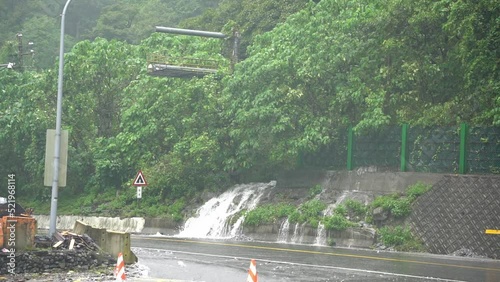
point(139, 182)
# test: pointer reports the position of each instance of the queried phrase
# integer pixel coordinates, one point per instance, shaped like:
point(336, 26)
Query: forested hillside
point(125, 20)
point(309, 71)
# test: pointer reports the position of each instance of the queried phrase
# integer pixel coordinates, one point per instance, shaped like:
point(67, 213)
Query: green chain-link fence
point(463, 149)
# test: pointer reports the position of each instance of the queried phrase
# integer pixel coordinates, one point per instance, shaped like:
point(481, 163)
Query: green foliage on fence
point(435, 149)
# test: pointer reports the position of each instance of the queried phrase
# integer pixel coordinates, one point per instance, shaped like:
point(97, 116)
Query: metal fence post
point(349, 148)
point(404, 146)
point(462, 166)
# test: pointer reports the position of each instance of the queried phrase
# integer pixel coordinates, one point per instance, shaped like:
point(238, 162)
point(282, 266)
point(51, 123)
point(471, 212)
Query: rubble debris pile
point(55, 261)
point(65, 251)
point(69, 241)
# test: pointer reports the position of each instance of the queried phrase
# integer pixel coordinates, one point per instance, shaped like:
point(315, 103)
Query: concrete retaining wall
point(355, 237)
point(366, 179)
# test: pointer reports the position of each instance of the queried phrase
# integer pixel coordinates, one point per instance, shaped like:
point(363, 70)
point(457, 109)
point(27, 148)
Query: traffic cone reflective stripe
point(252, 272)
point(120, 269)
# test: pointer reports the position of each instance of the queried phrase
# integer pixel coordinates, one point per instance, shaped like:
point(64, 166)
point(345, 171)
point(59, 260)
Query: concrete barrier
point(112, 242)
point(67, 222)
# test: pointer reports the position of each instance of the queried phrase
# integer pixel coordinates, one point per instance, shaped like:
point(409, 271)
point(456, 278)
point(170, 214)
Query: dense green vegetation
point(400, 205)
point(400, 238)
point(268, 214)
point(309, 72)
point(131, 21)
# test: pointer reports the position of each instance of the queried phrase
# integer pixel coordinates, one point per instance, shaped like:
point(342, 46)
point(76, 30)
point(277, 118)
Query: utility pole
point(57, 146)
point(21, 53)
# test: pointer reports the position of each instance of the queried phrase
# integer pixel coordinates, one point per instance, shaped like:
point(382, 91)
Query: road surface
point(228, 261)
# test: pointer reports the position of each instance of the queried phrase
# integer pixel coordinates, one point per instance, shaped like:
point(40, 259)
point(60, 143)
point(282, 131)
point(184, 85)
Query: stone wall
point(52, 261)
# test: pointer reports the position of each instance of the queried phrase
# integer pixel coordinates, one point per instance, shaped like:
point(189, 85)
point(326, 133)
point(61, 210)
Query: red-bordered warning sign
point(140, 180)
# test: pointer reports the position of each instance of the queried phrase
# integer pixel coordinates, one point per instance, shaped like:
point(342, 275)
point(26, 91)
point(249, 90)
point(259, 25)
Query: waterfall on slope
point(331, 207)
point(213, 219)
point(283, 232)
point(321, 237)
point(298, 233)
point(344, 196)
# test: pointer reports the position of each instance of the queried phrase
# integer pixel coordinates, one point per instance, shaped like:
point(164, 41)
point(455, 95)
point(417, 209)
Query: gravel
point(103, 274)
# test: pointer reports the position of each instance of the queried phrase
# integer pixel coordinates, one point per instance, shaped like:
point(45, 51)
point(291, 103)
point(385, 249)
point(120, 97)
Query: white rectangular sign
point(49, 158)
point(139, 192)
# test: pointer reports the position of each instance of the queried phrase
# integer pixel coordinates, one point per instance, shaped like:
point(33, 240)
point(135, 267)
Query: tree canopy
point(132, 21)
point(311, 70)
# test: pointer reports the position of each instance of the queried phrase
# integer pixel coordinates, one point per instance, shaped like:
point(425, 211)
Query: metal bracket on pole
point(190, 32)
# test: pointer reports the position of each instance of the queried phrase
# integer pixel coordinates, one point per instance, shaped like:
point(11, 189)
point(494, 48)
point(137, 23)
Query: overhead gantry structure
point(160, 65)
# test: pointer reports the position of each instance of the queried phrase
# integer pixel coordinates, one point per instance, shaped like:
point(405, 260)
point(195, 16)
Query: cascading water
point(329, 210)
point(283, 232)
point(321, 237)
point(298, 233)
point(213, 219)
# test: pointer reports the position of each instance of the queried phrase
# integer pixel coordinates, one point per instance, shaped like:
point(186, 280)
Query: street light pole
point(57, 146)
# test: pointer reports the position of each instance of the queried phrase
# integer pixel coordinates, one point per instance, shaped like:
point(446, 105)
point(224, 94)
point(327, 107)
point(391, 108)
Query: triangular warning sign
point(140, 180)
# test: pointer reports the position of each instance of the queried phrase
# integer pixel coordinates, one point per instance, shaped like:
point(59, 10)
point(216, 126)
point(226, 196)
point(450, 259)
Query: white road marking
point(312, 265)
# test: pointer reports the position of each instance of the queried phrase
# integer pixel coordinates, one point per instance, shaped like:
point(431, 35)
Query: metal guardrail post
point(462, 165)
point(350, 137)
point(404, 146)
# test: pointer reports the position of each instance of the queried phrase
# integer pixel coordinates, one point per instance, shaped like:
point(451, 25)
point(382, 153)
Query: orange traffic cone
point(252, 272)
point(120, 269)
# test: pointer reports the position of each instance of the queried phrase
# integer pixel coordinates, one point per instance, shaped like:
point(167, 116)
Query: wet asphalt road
point(228, 261)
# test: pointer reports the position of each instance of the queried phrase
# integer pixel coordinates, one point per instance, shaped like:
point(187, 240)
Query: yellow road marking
point(325, 253)
point(492, 231)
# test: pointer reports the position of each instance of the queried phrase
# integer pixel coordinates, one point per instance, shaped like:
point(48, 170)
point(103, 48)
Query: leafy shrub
point(417, 190)
point(295, 217)
point(268, 214)
point(396, 205)
point(356, 208)
point(315, 190)
point(311, 210)
point(283, 210)
point(340, 210)
point(386, 201)
point(337, 222)
point(175, 210)
point(314, 222)
point(400, 238)
point(257, 216)
point(331, 242)
point(399, 205)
